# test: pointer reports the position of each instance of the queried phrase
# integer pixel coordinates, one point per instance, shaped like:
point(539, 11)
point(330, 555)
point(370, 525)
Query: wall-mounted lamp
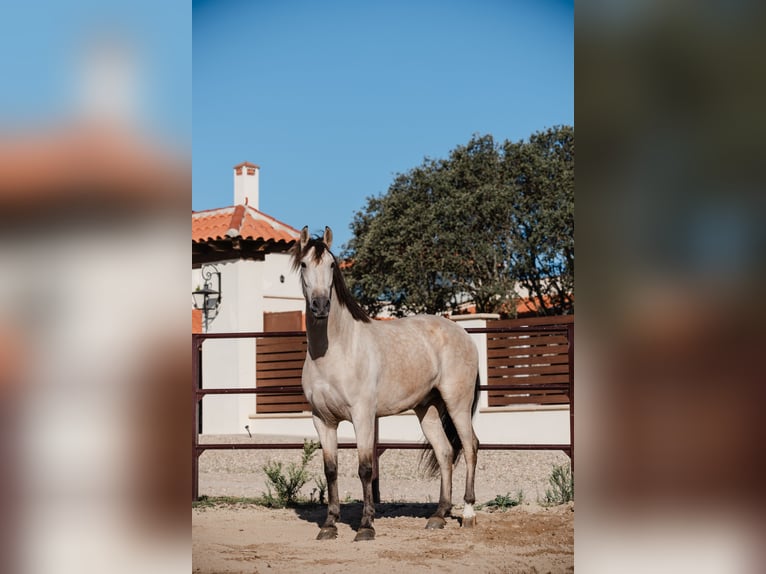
point(208, 298)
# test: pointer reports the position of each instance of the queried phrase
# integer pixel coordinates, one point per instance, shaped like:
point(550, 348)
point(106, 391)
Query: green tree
point(541, 230)
point(463, 229)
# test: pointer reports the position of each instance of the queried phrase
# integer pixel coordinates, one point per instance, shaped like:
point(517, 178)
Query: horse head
point(317, 268)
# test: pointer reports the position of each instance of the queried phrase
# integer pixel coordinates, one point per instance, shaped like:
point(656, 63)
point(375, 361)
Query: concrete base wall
point(540, 425)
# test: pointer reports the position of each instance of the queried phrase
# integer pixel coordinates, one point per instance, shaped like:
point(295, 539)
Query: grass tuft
point(287, 481)
point(503, 502)
point(562, 486)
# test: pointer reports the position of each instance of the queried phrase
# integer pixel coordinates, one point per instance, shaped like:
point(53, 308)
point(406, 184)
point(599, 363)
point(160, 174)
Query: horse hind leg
point(430, 421)
point(462, 420)
point(470, 454)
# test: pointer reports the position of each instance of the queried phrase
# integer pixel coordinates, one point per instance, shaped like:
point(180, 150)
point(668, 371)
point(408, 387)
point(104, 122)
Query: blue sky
point(42, 43)
point(334, 98)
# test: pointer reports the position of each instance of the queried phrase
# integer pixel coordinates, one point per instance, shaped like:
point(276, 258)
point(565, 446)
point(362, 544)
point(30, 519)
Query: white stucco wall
point(248, 289)
point(528, 425)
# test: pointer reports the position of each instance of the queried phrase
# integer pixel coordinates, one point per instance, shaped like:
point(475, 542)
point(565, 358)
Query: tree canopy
point(484, 226)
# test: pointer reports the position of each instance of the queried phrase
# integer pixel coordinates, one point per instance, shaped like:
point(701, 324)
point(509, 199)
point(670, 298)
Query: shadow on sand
point(351, 512)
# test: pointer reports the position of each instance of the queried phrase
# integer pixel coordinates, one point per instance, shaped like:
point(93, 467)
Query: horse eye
point(332, 264)
point(303, 265)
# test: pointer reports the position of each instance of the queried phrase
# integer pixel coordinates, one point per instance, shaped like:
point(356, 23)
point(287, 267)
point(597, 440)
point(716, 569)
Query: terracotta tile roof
point(246, 164)
point(89, 164)
point(525, 306)
point(531, 306)
point(239, 221)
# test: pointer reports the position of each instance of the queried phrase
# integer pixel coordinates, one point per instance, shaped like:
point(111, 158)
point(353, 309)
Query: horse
point(357, 369)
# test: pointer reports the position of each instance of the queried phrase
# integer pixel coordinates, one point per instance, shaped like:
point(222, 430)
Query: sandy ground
point(255, 539)
point(249, 538)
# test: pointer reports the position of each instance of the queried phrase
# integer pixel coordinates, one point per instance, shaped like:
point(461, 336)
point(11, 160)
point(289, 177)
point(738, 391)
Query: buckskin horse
point(357, 369)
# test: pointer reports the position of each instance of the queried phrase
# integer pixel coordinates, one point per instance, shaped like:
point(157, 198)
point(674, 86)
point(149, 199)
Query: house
point(249, 248)
point(258, 292)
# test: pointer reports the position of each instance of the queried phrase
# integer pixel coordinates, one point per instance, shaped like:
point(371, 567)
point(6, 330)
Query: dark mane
point(345, 297)
point(339, 283)
point(298, 254)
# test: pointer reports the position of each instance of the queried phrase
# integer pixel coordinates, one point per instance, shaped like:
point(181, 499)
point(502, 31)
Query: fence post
point(375, 474)
point(196, 385)
point(570, 338)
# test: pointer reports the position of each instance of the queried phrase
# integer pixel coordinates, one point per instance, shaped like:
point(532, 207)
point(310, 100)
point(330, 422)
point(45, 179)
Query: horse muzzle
point(320, 307)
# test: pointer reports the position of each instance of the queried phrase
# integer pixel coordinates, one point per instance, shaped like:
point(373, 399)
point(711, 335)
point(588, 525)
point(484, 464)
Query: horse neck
point(334, 331)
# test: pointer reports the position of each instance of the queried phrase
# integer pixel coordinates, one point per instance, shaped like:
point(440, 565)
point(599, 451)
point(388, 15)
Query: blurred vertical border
point(95, 192)
point(671, 238)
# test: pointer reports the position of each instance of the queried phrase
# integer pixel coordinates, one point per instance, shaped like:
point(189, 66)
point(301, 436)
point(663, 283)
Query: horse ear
point(304, 236)
point(327, 237)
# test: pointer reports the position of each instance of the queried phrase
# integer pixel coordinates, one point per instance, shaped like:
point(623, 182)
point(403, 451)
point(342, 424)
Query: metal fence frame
point(198, 393)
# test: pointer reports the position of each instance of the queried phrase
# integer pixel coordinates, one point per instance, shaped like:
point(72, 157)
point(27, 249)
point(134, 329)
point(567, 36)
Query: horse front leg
point(328, 437)
point(365, 446)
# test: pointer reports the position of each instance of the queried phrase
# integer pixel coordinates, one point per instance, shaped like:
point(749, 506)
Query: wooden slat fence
point(534, 355)
point(279, 363)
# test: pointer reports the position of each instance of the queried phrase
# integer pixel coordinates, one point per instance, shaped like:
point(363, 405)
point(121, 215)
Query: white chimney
point(246, 184)
point(110, 82)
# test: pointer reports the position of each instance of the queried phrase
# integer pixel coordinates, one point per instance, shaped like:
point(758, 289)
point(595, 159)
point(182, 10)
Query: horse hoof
point(435, 522)
point(365, 534)
point(469, 522)
point(328, 533)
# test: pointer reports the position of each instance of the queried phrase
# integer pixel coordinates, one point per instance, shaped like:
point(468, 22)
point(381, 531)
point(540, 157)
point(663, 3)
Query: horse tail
point(428, 461)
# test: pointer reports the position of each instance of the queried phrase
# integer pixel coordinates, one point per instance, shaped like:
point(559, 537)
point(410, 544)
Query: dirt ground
point(254, 539)
point(248, 538)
